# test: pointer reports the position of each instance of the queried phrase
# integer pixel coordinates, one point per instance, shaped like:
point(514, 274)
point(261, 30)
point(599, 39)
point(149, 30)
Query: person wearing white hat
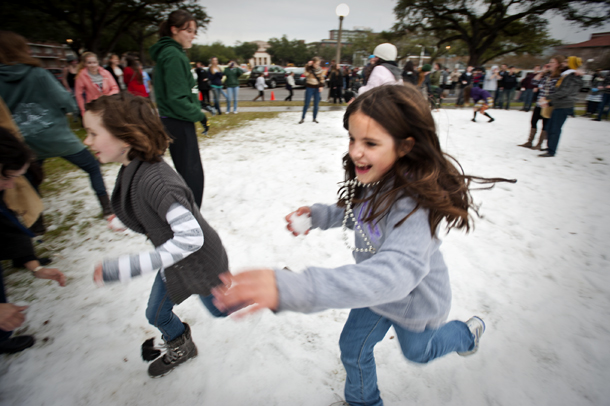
point(385, 70)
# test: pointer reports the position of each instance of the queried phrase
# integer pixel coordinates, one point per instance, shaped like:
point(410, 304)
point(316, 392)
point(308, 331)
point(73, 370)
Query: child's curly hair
point(134, 120)
point(432, 178)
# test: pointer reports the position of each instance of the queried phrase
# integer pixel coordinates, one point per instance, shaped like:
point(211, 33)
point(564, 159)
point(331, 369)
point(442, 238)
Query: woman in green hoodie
point(177, 96)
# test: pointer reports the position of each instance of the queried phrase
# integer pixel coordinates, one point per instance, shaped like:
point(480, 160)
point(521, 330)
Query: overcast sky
point(311, 20)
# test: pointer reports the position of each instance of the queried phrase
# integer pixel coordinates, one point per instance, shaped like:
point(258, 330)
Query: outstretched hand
point(305, 210)
point(98, 277)
point(256, 288)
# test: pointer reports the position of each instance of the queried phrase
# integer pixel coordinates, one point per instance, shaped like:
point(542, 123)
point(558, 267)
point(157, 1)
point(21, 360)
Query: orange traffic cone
point(272, 96)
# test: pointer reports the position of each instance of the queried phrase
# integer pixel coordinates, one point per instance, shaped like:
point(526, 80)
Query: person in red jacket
point(92, 82)
point(133, 77)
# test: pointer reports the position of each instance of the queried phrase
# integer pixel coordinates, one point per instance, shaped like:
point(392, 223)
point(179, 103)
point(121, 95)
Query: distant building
point(595, 49)
point(347, 36)
point(51, 55)
point(261, 57)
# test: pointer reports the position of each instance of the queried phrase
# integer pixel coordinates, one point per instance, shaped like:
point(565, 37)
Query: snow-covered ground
point(536, 268)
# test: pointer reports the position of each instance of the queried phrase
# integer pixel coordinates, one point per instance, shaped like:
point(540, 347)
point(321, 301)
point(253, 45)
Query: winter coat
point(39, 104)
point(232, 76)
point(314, 77)
point(383, 74)
point(567, 89)
point(215, 78)
point(175, 88)
point(84, 85)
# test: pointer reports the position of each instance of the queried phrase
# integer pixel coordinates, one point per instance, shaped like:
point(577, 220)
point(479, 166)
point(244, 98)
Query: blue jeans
point(315, 92)
point(364, 329)
point(528, 97)
point(159, 311)
point(558, 117)
point(232, 92)
point(605, 102)
point(217, 92)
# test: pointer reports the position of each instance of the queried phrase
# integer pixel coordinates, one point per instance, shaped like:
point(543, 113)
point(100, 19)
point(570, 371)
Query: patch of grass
point(278, 103)
point(220, 123)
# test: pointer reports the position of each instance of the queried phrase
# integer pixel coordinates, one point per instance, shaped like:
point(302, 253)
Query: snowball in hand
point(300, 224)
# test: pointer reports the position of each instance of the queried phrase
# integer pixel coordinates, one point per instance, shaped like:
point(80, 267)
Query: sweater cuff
point(293, 291)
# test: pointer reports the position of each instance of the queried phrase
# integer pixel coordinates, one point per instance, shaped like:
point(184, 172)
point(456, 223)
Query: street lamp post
point(421, 56)
point(448, 47)
point(342, 10)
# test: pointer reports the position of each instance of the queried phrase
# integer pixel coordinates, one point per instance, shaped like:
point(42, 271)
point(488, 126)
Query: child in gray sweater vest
point(399, 186)
point(150, 198)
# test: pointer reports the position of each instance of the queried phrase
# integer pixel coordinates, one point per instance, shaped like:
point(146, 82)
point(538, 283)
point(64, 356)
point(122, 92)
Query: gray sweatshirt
point(406, 280)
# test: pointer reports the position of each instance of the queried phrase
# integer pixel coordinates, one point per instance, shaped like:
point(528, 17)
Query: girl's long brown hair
point(14, 49)
point(134, 120)
point(426, 174)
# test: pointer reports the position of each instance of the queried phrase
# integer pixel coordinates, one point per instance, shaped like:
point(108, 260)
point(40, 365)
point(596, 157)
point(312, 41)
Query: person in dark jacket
point(177, 101)
point(16, 242)
point(335, 83)
point(508, 88)
point(527, 87)
point(465, 80)
point(568, 86)
point(605, 98)
point(408, 73)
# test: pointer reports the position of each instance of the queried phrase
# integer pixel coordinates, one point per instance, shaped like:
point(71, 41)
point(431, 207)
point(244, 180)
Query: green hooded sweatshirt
point(174, 84)
point(39, 105)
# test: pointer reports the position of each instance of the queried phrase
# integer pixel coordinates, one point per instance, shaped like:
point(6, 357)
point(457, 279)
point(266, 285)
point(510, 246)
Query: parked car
point(299, 75)
point(274, 75)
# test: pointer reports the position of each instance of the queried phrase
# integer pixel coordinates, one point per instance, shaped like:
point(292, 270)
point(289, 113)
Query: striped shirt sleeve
point(188, 238)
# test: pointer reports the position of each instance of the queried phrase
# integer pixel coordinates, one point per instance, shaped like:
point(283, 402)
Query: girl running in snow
point(399, 186)
point(150, 198)
point(482, 101)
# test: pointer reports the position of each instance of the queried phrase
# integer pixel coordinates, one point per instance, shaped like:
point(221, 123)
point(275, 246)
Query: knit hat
point(386, 51)
point(426, 68)
point(574, 62)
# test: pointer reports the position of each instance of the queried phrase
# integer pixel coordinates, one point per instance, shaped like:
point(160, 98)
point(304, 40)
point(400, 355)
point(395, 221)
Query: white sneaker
point(235, 112)
point(477, 328)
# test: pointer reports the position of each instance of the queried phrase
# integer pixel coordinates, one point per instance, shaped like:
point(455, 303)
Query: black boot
point(179, 350)
point(16, 344)
point(105, 203)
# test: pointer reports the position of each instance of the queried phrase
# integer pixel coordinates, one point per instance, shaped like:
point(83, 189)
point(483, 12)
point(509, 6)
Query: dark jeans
point(605, 102)
point(205, 95)
point(309, 92)
point(558, 118)
point(497, 98)
point(87, 162)
point(537, 116)
point(507, 96)
point(289, 98)
point(4, 335)
point(528, 97)
point(185, 154)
